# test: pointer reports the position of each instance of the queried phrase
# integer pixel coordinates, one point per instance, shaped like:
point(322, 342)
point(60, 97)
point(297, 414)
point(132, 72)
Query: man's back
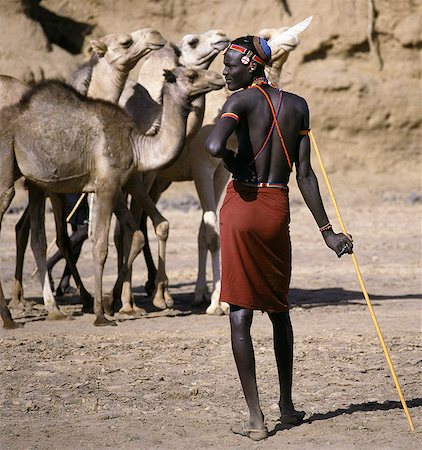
point(259, 135)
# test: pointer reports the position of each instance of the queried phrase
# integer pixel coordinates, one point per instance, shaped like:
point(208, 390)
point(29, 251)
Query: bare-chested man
point(272, 130)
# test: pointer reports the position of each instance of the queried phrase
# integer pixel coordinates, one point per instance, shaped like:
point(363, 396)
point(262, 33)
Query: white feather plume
point(289, 34)
point(282, 41)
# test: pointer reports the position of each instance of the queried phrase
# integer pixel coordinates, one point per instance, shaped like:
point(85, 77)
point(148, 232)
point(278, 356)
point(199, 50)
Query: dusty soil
point(167, 380)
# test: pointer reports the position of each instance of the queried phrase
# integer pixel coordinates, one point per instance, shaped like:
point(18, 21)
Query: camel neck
point(161, 150)
point(107, 82)
point(196, 116)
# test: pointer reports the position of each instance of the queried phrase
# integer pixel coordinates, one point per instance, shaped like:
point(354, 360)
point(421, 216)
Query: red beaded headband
point(249, 54)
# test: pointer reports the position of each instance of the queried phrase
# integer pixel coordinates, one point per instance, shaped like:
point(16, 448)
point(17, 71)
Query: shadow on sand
point(351, 409)
point(183, 296)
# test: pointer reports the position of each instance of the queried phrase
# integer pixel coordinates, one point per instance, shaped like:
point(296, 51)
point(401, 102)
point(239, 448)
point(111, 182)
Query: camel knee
point(5, 199)
point(138, 241)
point(211, 231)
point(162, 230)
point(100, 254)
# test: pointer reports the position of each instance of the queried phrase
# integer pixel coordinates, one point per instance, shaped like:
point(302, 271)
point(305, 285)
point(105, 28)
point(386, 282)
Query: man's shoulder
point(294, 97)
point(236, 100)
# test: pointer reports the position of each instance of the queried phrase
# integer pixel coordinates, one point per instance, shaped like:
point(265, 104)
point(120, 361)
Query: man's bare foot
point(292, 417)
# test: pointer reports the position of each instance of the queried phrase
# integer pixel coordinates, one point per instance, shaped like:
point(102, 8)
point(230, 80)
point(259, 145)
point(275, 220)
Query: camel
point(208, 173)
point(11, 90)
point(194, 51)
point(105, 152)
point(104, 77)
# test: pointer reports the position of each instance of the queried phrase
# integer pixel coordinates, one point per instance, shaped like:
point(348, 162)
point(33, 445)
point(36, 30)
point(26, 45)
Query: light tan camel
point(104, 76)
point(208, 173)
point(105, 151)
point(194, 51)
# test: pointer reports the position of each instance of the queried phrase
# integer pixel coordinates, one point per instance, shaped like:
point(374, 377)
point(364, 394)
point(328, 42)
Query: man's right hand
point(240, 172)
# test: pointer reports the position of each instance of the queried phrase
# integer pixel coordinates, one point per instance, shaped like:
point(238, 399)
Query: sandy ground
point(168, 380)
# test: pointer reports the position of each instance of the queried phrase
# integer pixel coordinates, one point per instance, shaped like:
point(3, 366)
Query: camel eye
point(194, 42)
point(192, 76)
point(126, 43)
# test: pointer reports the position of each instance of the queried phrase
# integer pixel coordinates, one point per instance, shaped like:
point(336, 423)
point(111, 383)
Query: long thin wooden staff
point(51, 244)
point(362, 285)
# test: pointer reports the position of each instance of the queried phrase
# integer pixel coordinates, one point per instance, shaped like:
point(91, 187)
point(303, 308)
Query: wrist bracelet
point(326, 227)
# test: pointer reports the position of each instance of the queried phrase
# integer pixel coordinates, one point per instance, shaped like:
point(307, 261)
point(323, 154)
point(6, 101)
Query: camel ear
point(98, 47)
point(169, 76)
point(176, 49)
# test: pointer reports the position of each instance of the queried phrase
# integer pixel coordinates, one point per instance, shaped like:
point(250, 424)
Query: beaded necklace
point(261, 80)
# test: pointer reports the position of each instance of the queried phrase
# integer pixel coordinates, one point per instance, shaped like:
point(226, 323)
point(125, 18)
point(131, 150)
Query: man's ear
point(253, 66)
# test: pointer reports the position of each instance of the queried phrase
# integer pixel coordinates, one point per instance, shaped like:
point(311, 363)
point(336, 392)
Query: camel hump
point(50, 92)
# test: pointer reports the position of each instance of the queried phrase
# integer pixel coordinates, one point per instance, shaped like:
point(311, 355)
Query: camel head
point(123, 51)
point(191, 83)
point(199, 50)
point(282, 41)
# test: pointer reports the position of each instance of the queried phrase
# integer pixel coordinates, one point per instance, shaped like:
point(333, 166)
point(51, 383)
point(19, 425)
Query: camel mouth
point(221, 45)
point(206, 60)
point(211, 86)
point(157, 46)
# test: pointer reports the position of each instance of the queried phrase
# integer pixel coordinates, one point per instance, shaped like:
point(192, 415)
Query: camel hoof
point(197, 301)
point(103, 322)
point(139, 311)
point(87, 302)
point(132, 311)
point(201, 296)
point(20, 303)
point(56, 315)
point(11, 325)
point(108, 304)
point(159, 303)
point(168, 300)
point(214, 311)
point(225, 307)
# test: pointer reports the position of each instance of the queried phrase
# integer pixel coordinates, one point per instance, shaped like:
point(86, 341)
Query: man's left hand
point(340, 243)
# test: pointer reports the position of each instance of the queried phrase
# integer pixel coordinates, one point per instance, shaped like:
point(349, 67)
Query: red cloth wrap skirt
point(255, 247)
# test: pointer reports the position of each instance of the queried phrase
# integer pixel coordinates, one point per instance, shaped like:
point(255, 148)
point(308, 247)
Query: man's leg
point(240, 322)
point(283, 348)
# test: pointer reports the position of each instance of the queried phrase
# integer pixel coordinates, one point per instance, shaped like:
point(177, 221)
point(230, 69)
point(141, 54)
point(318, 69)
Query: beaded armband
point(230, 115)
point(326, 227)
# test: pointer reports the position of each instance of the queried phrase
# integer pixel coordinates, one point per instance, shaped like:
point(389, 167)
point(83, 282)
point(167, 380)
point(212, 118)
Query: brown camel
point(105, 152)
point(114, 56)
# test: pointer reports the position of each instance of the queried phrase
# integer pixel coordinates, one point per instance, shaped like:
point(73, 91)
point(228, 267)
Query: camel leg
point(133, 243)
point(22, 235)
point(39, 247)
point(155, 188)
point(123, 290)
point(221, 178)
point(105, 201)
point(123, 286)
point(149, 261)
point(65, 247)
point(161, 297)
point(6, 196)
point(208, 239)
